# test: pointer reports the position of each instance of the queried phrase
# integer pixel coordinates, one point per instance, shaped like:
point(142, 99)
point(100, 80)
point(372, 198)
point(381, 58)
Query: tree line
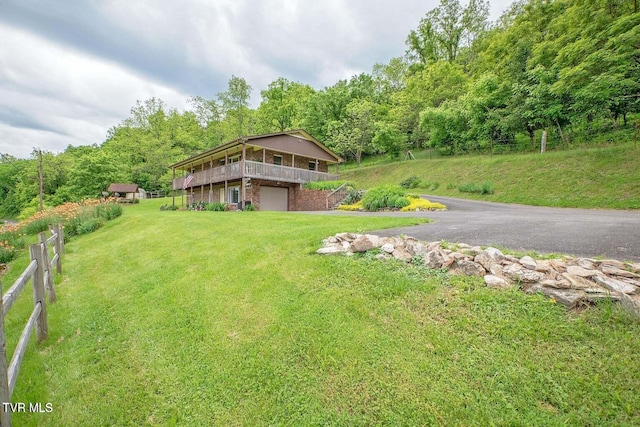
point(463, 84)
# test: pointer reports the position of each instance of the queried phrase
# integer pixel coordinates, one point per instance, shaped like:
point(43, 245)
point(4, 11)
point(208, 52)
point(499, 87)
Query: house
point(267, 171)
point(125, 192)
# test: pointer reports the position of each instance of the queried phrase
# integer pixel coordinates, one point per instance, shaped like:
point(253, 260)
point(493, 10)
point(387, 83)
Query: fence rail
point(39, 271)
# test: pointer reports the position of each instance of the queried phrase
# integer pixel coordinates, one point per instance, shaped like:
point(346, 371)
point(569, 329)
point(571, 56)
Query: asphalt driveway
point(580, 232)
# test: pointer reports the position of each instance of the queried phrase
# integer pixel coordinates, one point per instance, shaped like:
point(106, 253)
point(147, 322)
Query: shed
point(126, 191)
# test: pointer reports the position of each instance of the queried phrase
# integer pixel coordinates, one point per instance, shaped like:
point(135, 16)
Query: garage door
point(274, 199)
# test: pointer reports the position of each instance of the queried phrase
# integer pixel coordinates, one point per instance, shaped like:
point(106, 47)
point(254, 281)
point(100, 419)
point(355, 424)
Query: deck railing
point(257, 170)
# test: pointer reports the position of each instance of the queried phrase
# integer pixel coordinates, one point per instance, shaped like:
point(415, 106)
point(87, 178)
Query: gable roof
point(301, 134)
point(123, 188)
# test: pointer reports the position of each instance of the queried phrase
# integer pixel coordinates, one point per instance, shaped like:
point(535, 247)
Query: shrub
point(357, 206)
point(435, 186)
point(166, 207)
point(89, 225)
point(484, 188)
point(401, 202)
point(250, 208)
point(411, 182)
point(109, 211)
point(418, 203)
point(354, 197)
point(216, 207)
point(38, 225)
point(382, 197)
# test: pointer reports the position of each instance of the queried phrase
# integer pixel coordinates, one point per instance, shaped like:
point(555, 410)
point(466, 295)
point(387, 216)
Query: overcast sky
point(70, 70)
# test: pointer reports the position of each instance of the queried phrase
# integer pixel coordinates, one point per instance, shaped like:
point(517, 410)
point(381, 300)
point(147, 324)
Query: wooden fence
point(40, 272)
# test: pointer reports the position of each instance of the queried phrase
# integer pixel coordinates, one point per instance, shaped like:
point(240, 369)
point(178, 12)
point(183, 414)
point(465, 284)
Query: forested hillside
point(570, 67)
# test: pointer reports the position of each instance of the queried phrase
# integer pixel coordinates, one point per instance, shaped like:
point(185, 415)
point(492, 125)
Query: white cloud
point(68, 96)
point(69, 72)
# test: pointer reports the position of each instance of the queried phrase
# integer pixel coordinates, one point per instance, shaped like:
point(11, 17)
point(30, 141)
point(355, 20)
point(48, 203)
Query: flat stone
point(433, 259)
point(402, 254)
point(615, 271)
point(497, 270)
point(330, 250)
point(577, 282)
point(382, 257)
point(579, 271)
point(348, 237)
point(522, 274)
point(528, 262)
point(615, 285)
point(417, 248)
point(388, 248)
point(558, 265)
point(587, 263)
point(496, 282)
point(567, 297)
point(485, 260)
point(494, 253)
point(469, 268)
point(365, 243)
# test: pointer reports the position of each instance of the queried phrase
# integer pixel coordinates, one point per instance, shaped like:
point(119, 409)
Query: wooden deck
point(255, 170)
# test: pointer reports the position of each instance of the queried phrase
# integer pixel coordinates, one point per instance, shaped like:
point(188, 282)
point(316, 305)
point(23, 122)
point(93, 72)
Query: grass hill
point(230, 318)
point(606, 177)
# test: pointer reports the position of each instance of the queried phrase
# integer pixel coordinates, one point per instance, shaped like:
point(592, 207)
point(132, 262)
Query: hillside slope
point(588, 178)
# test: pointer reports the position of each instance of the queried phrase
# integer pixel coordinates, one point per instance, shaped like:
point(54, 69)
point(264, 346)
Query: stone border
point(570, 281)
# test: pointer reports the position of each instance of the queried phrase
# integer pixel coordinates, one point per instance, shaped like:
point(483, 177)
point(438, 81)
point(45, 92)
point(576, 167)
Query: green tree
point(447, 29)
point(352, 137)
point(282, 105)
point(235, 107)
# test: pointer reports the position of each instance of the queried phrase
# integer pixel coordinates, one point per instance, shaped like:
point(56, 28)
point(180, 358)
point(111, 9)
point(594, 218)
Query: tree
point(235, 106)
point(92, 174)
point(445, 30)
point(282, 105)
point(352, 136)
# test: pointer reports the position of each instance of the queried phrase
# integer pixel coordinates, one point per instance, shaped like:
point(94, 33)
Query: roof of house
point(254, 139)
point(123, 188)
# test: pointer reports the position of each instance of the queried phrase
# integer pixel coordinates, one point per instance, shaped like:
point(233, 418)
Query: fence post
point(5, 394)
point(48, 276)
point(59, 243)
point(39, 295)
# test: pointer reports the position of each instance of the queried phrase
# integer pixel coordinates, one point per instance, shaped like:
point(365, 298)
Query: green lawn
point(230, 318)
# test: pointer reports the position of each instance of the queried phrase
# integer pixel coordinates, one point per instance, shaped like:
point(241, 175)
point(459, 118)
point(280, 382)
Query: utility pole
point(40, 178)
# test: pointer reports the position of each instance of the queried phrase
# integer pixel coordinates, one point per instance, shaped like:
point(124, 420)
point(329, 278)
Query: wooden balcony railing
point(257, 170)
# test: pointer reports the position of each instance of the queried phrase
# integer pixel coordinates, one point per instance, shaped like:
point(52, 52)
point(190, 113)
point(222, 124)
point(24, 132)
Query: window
point(312, 166)
point(277, 160)
point(234, 159)
point(234, 194)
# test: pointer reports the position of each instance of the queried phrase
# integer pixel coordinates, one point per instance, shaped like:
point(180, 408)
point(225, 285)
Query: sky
point(70, 70)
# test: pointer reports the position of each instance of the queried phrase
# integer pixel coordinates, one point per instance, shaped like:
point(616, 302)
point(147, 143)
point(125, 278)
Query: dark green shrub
point(38, 225)
point(484, 188)
point(382, 197)
point(354, 197)
point(89, 225)
point(411, 182)
point(216, 207)
point(166, 207)
point(435, 186)
point(401, 202)
point(109, 211)
point(250, 208)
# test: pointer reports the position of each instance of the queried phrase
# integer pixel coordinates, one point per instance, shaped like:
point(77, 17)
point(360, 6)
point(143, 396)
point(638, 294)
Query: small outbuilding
point(124, 192)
